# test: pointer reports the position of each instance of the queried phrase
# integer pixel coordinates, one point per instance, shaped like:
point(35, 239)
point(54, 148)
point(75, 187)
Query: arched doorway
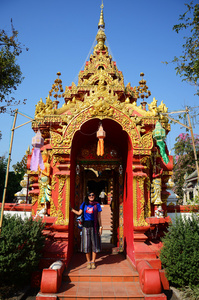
point(101, 173)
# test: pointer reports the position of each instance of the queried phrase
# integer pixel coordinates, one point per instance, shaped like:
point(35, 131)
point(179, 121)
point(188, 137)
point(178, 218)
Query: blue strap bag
point(80, 219)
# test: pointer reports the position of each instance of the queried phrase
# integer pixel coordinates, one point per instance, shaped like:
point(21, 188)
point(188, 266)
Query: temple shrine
point(102, 135)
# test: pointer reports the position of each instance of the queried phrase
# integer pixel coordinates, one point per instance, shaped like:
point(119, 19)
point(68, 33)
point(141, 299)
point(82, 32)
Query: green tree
point(184, 161)
point(14, 179)
point(188, 63)
point(10, 72)
point(20, 249)
point(3, 164)
point(180, 252)
point(21, 167)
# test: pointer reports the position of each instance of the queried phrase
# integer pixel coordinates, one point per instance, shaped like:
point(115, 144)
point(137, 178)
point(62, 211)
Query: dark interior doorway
point(100, 173)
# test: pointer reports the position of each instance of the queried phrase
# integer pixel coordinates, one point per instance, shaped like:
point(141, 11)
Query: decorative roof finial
point(101, 23)
point(143, 91)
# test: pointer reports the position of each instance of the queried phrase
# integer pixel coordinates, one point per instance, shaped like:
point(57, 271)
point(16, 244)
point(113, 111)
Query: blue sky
point(60, 35)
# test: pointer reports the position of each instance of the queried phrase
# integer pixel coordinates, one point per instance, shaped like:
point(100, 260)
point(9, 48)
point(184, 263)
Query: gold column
point(63, 193)
point(121, 219)
point(67, 200)
point(139, 200)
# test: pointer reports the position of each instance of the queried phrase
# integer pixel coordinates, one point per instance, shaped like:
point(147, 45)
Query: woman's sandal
point(93, 265)
point(89, 265)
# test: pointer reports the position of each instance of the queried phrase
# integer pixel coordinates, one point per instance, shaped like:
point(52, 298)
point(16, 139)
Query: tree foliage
point(20, 249)
point(180, 252)
point(184, 161)
point(188, 63)
point(10, 72)
point(14, 179)
point(21, 167)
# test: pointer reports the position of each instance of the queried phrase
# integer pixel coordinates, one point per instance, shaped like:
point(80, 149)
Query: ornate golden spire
point(101, 37)
point(101, 23)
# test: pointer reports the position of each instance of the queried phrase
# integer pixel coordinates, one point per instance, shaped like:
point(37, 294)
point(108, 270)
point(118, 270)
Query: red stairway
point(113, 278)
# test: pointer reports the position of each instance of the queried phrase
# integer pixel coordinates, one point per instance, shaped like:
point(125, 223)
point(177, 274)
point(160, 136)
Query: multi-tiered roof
point(101, 84)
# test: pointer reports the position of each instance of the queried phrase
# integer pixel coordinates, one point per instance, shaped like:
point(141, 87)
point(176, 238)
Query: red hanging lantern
point(101, 134)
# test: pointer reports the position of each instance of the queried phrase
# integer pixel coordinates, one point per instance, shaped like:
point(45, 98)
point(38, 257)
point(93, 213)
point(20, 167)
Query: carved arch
point(108, 112)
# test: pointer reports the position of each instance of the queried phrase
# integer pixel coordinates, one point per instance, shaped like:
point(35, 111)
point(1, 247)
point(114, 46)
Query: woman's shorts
point(90, 240)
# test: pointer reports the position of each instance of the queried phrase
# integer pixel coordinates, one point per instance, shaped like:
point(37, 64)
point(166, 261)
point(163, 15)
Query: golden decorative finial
point(101, 37)
point(143, 91)
point(56, 88)
point(28, 150)
point(101, 23)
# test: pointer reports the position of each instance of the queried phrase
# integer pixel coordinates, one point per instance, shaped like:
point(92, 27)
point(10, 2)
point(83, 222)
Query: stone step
point(100, 290)
point(113, 278)
point(91, 276)
point(109, 268)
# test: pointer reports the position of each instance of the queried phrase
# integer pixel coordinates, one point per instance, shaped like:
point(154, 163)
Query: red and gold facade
point(131, 156)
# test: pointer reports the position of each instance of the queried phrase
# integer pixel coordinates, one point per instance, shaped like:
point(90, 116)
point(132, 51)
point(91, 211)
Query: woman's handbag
point(80, 219)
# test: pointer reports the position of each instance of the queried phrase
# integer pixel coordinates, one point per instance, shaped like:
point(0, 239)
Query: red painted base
point(56, 248)
point(52, 278)
point(147, 247)
point(149, 278)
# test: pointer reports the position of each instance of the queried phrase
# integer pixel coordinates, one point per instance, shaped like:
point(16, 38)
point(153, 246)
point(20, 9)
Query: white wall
point(22, 214)
point(184, 215)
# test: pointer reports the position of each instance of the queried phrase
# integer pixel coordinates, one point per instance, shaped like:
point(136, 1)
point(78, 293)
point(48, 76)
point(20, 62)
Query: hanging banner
point(36, 159)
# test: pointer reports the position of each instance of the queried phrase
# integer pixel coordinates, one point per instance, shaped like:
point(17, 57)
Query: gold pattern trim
point(141, 220)
point(64, 138)
point(58, 151)
point(67, 200)
point(135, 201)
point(121, 228)
point(141, 152)
point(148, 186)
point(53, 210)
point(53, 182)
point(138, 181)
point(34, 199)
point(60, 217)
point(146, 161)
point(167, 173)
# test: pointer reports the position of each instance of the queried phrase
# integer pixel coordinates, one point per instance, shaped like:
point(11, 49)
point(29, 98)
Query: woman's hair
point(86, 198)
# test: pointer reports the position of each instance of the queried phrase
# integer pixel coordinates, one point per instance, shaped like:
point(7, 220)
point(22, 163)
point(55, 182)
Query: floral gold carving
point(67, 200)
point(60, 216)
point(146, 161)
point(34, 199)
point(53, 210)
point(139, 220)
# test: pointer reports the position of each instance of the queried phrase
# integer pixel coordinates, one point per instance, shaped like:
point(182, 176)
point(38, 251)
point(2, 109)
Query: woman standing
point(92, 228)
